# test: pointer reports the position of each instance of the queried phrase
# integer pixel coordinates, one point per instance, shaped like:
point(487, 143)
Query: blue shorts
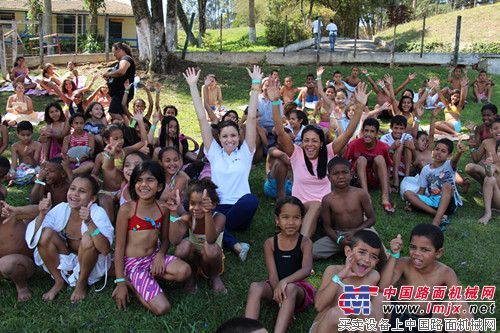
point(271, 186)
point(458, 126)
point(433, 201)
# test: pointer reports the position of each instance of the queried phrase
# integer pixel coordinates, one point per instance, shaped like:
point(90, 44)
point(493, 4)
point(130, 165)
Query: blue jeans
point(332, 42)
point(238, 217)
point(317, 40)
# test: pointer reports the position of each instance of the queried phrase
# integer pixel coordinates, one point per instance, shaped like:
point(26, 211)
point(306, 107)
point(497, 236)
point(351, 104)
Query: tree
point(252, 36)
point(47, 21)
point(171, 25)
point(35, 8)
point(181, 14)
point(397, 14)
point(202, 20)
point(93, 6)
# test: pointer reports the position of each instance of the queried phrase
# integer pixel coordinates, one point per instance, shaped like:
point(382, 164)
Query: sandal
point(388, 207)
point(444, 223)
point(408, 207)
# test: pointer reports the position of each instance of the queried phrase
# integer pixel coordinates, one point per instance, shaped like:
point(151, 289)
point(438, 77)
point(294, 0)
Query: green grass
point(233, 40)
point(479, 24)
point(469, 248)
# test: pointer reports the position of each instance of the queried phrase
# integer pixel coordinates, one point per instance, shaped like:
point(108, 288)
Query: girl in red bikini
point(142, 242)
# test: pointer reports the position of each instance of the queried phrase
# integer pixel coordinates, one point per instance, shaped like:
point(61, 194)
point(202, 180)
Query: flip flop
point(388, 208)
point(245, 247)
point(444, 223)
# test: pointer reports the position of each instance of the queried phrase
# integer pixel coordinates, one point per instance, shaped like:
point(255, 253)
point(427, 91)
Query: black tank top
point(287, 262)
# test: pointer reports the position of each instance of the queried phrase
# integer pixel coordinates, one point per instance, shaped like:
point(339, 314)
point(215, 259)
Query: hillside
point(480, 26)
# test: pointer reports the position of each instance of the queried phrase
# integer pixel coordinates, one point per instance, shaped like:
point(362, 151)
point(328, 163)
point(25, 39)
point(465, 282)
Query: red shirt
point(357, 148)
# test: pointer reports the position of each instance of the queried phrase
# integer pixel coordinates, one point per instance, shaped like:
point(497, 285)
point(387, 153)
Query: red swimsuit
point(137, 223)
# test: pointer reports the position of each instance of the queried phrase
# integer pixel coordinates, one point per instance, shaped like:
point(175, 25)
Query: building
point(70, 15)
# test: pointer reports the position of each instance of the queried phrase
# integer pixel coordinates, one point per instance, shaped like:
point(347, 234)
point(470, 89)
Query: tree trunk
point(185, 23)
point(393, 48)
point(202, 20)
point(252, 35)
point(142, 23)
point(47, 23)
point(171, 25)
point(159, 50)
point(93, 23)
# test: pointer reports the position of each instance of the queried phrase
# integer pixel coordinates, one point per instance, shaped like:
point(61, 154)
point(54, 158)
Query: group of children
point(98, 180)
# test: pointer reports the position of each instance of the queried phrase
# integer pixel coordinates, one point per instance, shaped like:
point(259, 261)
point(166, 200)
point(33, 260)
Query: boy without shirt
point(421, 268)
point(343, 210)
point(288, 91)
point(362, 256)
point(483, 87)
point(26, 152)
point(353, 79)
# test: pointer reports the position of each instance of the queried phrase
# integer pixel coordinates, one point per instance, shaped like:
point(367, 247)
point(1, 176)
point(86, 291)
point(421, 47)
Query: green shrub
point(483, 47)
point(429, 47)
point(275, 30)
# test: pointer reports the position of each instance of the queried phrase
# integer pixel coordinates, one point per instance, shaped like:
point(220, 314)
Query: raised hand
point(385, 106)
point(256, 74)
point(461, 147)
point(396, 244)
point(206, 202)
point(320, 71)
point(156, 117)
point(138, 116)
point(364, 71)
point(464, 82)
point(436, 111)
point(347, 271)
point(273, 90)
point(173, 202)
point(45, 204)
point(360, 93)
point(157, 87)
point(420, 112)
point(388, 79)
point(409, 144)
point(381, 83)
point(191, 75)
point(85, 213)
point(412, 76)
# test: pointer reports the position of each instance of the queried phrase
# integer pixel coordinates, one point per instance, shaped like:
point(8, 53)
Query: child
point(79, 146)
point(4, 137)
point(309, 96)
point(382, 95)
point(438, 178)
point(288, 91)
point(352, 80)
point(297, 121)
point(491, 192)
point(288, 256)
point(142, 242)
point(453, 109)
point(103, 96)
point(278, 170)
point(421, 267)
point(170, 110)
point(176, 179)
point(132, 160)
point(72, 241)
point(483, 87)
point(211, 94)
point(202, 249)
point(95, 122)
point(139, 105)
point(344, 211)
point(398, 140)
point(169, 134)
point(52, 135)
point(337, 83)
point(455, 77)
point(20, 74)
point(370, 160)
point(25, 155)
point(4, 172)
point(484, 131)
point(51, 179)
point(20, 107)
point(362, 256)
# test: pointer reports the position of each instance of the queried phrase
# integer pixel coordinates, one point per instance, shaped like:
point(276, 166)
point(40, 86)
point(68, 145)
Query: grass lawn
point(479, 24)
point(469, 247)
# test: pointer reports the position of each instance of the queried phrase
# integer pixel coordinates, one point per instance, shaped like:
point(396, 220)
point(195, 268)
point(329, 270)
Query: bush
point(483, 47)
point(429, 47)
point(275, 30)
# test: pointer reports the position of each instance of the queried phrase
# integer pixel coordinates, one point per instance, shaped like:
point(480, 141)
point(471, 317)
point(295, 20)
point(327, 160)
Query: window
point(66, 24)
point(4, 16)
point(115, 29)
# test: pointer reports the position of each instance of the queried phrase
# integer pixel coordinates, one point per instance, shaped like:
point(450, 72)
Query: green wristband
point(120, 280)
point(256, 81)
point(340, 239)
point(132, 123)
point(95, 233)
point(174, 219)
point(336, 279)
point(395, 255)
point(153, 128)
point(276, 103)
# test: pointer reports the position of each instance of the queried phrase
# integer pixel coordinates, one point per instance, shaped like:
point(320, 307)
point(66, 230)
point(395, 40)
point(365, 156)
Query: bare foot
point(52, 293)
point(217, 285)
point(79, 293)
point(485, 219)
point(190, 285)
point(465, 185)
point(408, 207)
point(394, 189)
point(23, 294)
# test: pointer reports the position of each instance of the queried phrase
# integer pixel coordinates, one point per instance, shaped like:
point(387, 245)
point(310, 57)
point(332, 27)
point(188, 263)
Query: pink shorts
point(138, 272)
point(325, 124)
point(308, 294)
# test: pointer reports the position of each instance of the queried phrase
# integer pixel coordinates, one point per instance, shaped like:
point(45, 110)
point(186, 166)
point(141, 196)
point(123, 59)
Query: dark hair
point(143, 156)
point(240, 325)
point(24, 126)
point(56, 105)
point(16, 62)
point(233, 112)
point(411, 91)
point(431, 232)
point(46, 68)
point(106, 133)
point(57, 161)
point(167, 149)
point(289, 200)
point(420, 133)
point(90, 107)
point(4, 166)
point(310, 75)
point(447, 142)
point(275, 70)
point(123, 46)
point(342, 90)
point(336, 161)
point(490, 106)
point(228, 123)
point(301, 115)
point(63, 86)
point(170, 107)
point(400, 105)
point(94, 185)
point(371, 122)
point(399, 120)
point(74, 116)
point(368, 237)
point(165, 122)
point(199, 185)
point(482, 71)
point(152, 167)
point(337, 72)
point(323, 154)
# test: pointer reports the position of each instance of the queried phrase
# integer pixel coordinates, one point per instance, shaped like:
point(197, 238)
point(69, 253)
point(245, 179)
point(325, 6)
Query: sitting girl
point(142, 242)
point(79, 146)
point(288, 257)
point(202, 249)
point(95, 122)
point(20, 107)
point(72, 240)
point(453, 109)
point(132, 160)
point(52, 135)
point(176, 179)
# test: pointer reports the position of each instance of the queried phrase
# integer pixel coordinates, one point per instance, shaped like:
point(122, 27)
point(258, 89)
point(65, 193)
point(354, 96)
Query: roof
point(70, 6)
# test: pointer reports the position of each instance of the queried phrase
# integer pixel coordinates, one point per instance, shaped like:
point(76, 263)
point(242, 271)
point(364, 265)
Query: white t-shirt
point(332, 28)
point(230, 172)
point(434, 179)
point(387, 138)
point(317, 24)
